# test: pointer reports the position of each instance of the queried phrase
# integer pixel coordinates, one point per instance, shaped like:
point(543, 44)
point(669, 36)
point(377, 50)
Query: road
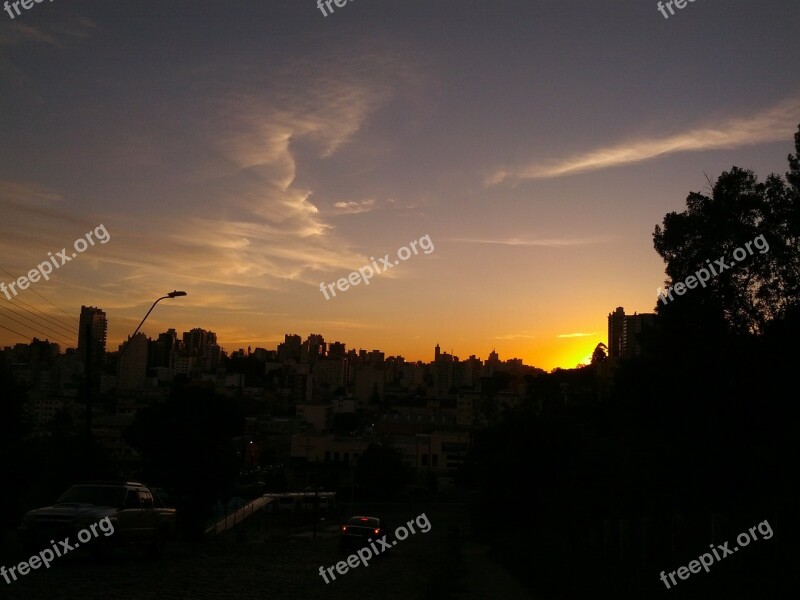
point(424, 566)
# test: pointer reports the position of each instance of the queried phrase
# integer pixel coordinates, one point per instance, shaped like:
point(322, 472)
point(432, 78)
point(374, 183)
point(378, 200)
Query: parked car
point(137, 513)
point(357, 531)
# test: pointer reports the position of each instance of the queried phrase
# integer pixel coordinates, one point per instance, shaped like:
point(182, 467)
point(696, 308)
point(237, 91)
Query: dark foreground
point(424, 566)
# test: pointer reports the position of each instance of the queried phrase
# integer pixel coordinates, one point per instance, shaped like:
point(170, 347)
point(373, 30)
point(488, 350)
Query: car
point(136, 513)
point(357, 531)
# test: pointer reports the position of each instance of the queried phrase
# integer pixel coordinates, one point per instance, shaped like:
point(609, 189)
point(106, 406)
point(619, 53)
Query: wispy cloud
point(20, 33)
point(576, 335)
point(548, 243)
point(253, 229)
point(514, 336)
point(773, 124)
point(353, 207)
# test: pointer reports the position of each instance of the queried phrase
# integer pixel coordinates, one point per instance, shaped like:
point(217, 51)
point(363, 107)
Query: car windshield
point(98, 495)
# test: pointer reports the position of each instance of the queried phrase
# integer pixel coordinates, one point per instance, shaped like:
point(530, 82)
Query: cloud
point(549, 243)
point(17, 34)
point(771, 125)
point(252, 239)
point(576, 335)
point(12, 76)
point(253, 229)
point(352, 207)
point(514, 336)
point(24, 194)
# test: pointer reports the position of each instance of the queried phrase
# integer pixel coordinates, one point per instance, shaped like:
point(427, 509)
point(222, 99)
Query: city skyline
point(343, 347)
point(537, 154)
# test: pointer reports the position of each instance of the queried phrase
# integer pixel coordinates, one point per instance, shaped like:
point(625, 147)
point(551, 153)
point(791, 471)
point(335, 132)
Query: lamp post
point(173, 294)
point(127, 343)
point(88, 367)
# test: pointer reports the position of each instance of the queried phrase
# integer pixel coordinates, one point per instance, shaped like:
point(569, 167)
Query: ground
point(286, 566)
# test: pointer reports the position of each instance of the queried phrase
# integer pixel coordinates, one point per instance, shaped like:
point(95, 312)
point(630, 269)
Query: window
point(435, 460)
point(336, 456)
point(146, 500)
point(94, 494)
point(424, 460)
point(132, 500)
point(327, 456)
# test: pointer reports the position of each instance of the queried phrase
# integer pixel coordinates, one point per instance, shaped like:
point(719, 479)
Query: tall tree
point(189, 444)
point(762, 282)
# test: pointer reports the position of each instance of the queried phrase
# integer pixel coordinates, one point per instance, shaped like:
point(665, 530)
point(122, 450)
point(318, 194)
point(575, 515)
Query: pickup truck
point(135, 510)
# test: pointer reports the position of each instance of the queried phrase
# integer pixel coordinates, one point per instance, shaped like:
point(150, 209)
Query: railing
point(237, 516)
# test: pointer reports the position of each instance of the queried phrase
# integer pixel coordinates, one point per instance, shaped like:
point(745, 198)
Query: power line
point(17, 332)
point(43, 298)
point(68, 330)
point(47, 336)
point(51, 330)
point(53, 320)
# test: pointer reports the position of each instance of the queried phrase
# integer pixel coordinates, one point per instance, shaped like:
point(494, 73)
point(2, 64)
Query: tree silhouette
point(763, 282)
point(188, 444)
point(381, 472)
point(600, 354)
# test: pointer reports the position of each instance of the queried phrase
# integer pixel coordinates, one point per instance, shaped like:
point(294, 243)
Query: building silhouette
point(133, 363)
point(92, 333)
point(625, 332)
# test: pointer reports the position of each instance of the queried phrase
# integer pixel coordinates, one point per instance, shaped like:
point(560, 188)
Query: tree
point(762, 282)
point(381, 472)
point(189, 444)
point(600, 354)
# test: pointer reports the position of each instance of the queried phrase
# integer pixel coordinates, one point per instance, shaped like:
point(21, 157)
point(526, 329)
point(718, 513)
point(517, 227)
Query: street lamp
point(88, 366)
point(173, 294)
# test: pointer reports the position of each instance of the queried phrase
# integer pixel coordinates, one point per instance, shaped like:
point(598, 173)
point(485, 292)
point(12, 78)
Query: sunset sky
point(247, 151)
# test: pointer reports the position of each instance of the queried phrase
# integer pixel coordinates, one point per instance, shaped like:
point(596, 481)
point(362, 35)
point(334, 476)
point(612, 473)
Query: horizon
point(226, 157)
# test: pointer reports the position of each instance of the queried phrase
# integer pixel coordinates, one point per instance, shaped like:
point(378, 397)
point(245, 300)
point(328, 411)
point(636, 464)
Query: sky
point(248, 152)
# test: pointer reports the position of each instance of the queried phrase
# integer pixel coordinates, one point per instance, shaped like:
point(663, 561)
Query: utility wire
point(62, 324)
point(17, 332)
point(47, 336)
point(50, 329)
point(43, 298)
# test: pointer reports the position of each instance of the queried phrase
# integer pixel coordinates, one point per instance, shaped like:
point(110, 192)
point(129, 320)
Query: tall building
point(92, 333)
point(196, 340)
point(166, 344)
point(337, 349)
point(312, 349)
point(376, 358)
point(616, 328)
point(625, 332)
point(317, 345)
point(290, 348)
point(133, 363)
